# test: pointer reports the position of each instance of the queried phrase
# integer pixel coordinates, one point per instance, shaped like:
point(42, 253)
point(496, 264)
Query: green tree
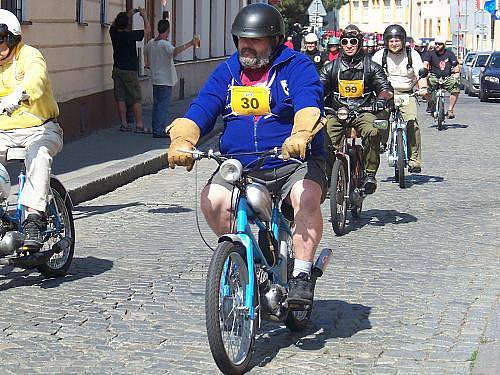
point(295, 11)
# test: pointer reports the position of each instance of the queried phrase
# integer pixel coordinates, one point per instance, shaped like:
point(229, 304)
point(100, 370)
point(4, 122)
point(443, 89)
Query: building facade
point(73, 36)
point(420, 18)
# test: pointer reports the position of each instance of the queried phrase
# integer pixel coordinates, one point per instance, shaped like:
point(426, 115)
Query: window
point(365, 4)
point(355, 3)
point(79, 11)
point(15, 6)
point(104, 12)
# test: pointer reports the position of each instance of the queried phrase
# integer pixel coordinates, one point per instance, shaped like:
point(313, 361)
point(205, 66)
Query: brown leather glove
point(184, 134)
point(306, 123)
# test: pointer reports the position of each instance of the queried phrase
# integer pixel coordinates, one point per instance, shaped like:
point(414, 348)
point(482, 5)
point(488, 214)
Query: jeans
point(161, 102)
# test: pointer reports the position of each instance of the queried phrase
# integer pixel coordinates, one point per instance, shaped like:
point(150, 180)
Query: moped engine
point(272, 299)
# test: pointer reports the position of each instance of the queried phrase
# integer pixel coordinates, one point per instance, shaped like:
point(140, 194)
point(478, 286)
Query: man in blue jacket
point(287, 115)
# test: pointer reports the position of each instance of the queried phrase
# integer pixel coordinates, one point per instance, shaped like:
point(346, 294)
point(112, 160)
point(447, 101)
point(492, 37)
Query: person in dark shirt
point(443, 64)
point(127, 90)
point(311, 43)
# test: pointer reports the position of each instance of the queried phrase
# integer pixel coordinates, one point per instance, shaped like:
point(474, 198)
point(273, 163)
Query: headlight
point(230, 170)
point(492, 79)
point(342, 113)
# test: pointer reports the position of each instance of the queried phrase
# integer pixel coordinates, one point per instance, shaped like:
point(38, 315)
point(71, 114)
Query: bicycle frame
point(397, 122)
point(19, 212)
point(253, 251)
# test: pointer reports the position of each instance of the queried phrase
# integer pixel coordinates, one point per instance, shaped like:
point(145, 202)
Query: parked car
point(472, 80)
point(489, 79)
point(469, 58)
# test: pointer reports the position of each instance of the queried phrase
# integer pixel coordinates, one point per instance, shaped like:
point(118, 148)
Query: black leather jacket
point(376, 84)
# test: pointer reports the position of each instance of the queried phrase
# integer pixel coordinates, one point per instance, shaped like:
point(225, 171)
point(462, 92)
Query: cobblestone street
point(409, 290)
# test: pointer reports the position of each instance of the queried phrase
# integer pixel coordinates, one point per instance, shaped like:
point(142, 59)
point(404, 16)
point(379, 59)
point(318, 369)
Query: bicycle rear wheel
point(338, 194)
point(60, 222)
point(401, 159)
point(230, 331)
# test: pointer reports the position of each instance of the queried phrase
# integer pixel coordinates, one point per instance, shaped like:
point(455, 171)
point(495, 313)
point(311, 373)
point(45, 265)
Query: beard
point(250, 59)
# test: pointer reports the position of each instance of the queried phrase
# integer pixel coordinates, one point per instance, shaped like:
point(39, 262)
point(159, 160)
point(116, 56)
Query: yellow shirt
point(28, 70)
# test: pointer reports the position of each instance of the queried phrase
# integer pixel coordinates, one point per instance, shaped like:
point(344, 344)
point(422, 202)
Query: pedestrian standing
point(127, 90)
point(160, 53)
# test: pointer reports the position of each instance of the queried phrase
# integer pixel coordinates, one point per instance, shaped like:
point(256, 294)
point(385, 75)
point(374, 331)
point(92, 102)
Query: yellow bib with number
point(250, 100)
point(351, 89)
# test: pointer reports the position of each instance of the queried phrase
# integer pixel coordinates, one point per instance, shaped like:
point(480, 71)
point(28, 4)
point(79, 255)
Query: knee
point(306, 197)
point(214, 201)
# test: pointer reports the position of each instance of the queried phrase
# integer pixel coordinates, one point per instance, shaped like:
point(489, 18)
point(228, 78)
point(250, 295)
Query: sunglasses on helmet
point(351, 41)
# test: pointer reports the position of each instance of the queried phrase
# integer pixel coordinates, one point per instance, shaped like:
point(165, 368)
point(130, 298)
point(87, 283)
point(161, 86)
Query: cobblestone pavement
point(409, 290)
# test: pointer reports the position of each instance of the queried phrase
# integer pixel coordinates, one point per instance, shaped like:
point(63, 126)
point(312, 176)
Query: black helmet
point(394, 31)
point(258, 21)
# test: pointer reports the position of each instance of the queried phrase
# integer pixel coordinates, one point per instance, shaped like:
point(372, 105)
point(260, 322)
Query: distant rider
point(353, 80)
point(402, 64)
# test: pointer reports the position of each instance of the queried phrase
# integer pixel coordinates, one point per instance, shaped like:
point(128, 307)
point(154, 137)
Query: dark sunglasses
point(439, 44)
point(351, 41)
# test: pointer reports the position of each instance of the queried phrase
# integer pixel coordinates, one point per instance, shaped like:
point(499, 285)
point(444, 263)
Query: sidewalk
point(100, 163)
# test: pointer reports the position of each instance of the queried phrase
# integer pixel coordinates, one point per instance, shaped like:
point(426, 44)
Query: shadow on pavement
point(331, 319)
point(417, 179)
point(80, 268)
point(451, 126)
point(378, 218)
point(169, 209)
point(81, 212)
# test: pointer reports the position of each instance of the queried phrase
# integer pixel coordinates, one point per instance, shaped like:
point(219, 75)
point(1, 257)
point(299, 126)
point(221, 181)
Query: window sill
point(105, 25)
point(26, 23)
point(83, 24)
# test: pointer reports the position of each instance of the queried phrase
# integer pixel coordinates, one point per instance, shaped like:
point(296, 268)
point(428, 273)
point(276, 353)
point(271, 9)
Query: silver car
point(469, 58)
point(472, 81)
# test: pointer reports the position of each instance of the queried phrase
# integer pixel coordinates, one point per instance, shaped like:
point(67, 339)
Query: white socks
point(301, 266)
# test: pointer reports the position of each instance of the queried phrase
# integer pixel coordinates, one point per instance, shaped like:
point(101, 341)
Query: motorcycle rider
point(333, 49)
point(311, 43)
point(353, 80)
point(402, 66)
point(370, 47)
point(289, 117)
point(443, 63)
point(28, 114)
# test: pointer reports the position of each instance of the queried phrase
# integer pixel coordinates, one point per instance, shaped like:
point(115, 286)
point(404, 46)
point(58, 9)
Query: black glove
point(379, 105)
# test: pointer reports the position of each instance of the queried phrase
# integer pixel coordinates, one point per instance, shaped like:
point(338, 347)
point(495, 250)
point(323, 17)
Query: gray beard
point(255, 62)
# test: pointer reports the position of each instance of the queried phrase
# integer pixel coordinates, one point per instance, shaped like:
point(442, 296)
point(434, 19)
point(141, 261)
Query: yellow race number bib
point(351, 89)
point(250, 100)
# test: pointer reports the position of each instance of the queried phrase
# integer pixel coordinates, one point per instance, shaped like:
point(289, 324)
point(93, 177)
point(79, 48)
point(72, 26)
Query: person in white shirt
point(160, 53)
point(402, 65)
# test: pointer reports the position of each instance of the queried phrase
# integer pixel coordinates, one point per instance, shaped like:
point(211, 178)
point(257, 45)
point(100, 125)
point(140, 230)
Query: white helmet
point(370, 43)
point(419, 43)
point(10, 20)
point(4, 183)
point(439, 39)
point(311, 38)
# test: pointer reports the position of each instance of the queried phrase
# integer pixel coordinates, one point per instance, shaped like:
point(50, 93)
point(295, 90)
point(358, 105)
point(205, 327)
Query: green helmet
point(333, 40)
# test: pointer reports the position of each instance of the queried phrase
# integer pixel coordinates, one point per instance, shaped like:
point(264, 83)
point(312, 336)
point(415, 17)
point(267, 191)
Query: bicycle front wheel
point(230, 331)
point(440, 118)
point(401, 160)
point(338, 200)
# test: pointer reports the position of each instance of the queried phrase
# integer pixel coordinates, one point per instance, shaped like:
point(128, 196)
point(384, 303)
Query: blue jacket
point(296, 86)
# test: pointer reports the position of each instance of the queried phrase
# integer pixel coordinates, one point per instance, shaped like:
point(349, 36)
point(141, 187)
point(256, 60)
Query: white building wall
point(232, 8)
point(185, 27)
point(203, 28)
point(217, 39)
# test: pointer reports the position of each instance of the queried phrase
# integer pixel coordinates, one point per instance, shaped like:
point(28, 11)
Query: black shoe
point(430, 108)
point(383, 147)
point(34, 226)
point(300, 290)
point(414, 169)
point(370, 183)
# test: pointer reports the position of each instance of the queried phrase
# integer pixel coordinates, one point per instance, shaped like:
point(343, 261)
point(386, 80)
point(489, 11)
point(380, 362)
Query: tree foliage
point(294, 11)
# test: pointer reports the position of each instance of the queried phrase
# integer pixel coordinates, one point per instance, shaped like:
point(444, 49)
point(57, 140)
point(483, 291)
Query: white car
point(469, 58)
point(472, 81)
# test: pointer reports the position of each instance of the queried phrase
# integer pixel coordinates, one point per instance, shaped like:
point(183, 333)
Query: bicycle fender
point(59, 185)
point(231, 238)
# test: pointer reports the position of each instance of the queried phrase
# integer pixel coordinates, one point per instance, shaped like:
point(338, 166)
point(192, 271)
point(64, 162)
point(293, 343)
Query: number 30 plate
point(250, 100)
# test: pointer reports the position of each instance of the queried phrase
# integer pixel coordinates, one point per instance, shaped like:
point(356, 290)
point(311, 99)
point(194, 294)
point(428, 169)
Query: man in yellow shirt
point(28, 114)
